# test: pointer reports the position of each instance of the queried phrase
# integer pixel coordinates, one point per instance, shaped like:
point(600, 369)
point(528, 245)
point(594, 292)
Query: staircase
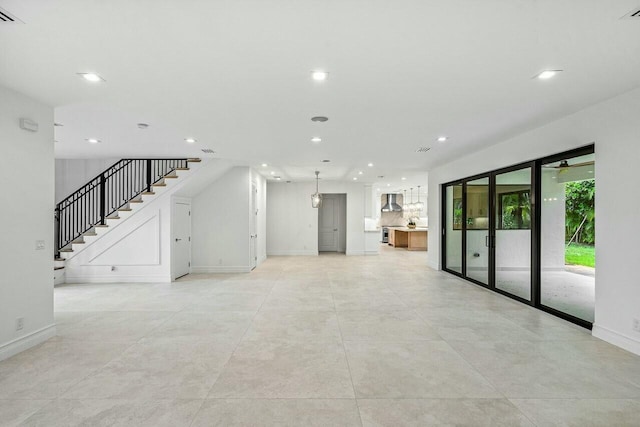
point(109, 199)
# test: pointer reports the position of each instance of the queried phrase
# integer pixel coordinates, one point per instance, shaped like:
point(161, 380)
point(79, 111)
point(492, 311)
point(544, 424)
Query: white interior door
point(181, 239)
point(254, 226)
point(329, 224)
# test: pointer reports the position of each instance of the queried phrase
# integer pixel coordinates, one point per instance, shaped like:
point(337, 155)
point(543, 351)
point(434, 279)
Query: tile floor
point(326, 341)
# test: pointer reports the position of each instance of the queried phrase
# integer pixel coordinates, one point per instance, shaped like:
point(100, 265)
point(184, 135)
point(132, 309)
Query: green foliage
point(516, 210)
point(579, 254)
point(580, 202)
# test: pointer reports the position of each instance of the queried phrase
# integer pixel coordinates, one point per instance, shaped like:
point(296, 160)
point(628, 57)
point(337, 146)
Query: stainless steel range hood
point(392, 205)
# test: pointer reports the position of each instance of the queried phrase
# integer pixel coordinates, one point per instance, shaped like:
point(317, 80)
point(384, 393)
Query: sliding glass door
point(452, 232)
point(513, 232)
point(528, 232)
point(477, 230)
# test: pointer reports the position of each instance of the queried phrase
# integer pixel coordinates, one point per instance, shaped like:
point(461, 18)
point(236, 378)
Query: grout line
point(346, 357)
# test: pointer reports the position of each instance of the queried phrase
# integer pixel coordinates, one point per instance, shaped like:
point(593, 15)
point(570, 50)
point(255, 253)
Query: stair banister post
point(149, 175)
point(103, 200)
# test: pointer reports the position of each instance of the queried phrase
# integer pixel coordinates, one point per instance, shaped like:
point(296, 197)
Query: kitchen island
point(414, 239)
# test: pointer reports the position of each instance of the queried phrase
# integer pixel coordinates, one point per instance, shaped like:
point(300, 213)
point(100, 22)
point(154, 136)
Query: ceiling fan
point(565, 166)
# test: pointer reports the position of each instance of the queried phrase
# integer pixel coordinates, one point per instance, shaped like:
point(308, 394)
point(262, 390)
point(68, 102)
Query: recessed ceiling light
point(355, 178)
point(404, 179)
point(319, 119)
point(326, 161)
point(547, 74)
point(272, 173)
point(442, 139)
point(388, 185)
point(360, 172)
point(190, 140)
point(377, 189)
point(264, 165)
point(316, 139)
point(91, 77)
point(57, 124)
point(319, 76)
point(278, 178)
point(142, 126)
point(93, 140)
point(370, 165)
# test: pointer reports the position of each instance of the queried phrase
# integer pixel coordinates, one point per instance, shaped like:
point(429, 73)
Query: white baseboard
point(352, 253)
point(293, 253)
point(372, 252)
point(26, 342)
point(143, 278)
point(205, 269)
point(617, 339)
point(262, 259)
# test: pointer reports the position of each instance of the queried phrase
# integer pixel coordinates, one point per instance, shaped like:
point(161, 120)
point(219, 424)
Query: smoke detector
point(423, 149)
point(8, 18)
point(634, 14)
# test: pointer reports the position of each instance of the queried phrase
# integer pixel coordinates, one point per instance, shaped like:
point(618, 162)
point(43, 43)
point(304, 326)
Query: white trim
point(26, 342)
point(616, 338)
point(350, 253)
point(144, 278)
point(307, 252)
point(375, 252)
point(262, 259)
point(204, 269)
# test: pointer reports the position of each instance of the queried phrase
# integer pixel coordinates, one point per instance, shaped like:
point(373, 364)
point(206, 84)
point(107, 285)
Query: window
point(515, 210)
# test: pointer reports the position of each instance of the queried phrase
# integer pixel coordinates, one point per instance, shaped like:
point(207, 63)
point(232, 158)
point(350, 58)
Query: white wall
point(615, 128)
point(220, 224)
point(26, 282)
point(71, 174)
point(292, 224)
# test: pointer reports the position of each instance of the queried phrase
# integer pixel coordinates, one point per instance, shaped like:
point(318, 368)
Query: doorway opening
point(332, 223)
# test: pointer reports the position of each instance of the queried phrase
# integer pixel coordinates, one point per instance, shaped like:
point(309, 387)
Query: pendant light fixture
point(411, 206)
point(316, 198)
point(419, 205)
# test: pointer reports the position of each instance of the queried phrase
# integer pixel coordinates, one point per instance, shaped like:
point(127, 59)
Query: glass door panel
point(513, 232)
point(477, 230)
point(567, 228)
point(453, 228)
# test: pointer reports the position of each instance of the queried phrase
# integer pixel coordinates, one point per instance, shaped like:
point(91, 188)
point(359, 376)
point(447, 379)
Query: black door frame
point(536, 236)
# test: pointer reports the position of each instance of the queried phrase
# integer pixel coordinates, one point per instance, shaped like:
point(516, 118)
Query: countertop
point(409, 230)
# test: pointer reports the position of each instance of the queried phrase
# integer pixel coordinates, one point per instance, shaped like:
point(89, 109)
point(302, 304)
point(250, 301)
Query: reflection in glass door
point(477, 230)
point(513, 232)
point(453, 228)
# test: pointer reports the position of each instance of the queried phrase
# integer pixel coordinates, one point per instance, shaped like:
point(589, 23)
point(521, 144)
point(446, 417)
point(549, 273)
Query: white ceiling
point(236, 76)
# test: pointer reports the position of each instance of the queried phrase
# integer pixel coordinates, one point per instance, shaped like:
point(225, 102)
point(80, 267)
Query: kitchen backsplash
point(392, 219)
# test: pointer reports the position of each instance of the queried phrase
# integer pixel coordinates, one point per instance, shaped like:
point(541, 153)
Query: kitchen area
point(398, 219)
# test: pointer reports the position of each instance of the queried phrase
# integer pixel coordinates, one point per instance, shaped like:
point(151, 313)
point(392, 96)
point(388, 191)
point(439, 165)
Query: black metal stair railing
point(106, 193)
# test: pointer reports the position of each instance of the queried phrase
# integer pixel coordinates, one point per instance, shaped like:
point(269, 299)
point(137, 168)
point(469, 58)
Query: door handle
point(335, 229)
point(177, 240)
point(486, 241)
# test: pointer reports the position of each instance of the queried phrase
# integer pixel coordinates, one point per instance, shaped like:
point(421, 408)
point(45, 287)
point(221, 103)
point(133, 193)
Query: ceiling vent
point(634, 14)
point(7, 18)
point(208, 151)
point(423, 149)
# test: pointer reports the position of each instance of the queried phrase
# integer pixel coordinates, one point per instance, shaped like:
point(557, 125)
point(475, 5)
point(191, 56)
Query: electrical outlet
point(39, 245)
point(636, 325)
point(19, 323)
point(113, 268)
